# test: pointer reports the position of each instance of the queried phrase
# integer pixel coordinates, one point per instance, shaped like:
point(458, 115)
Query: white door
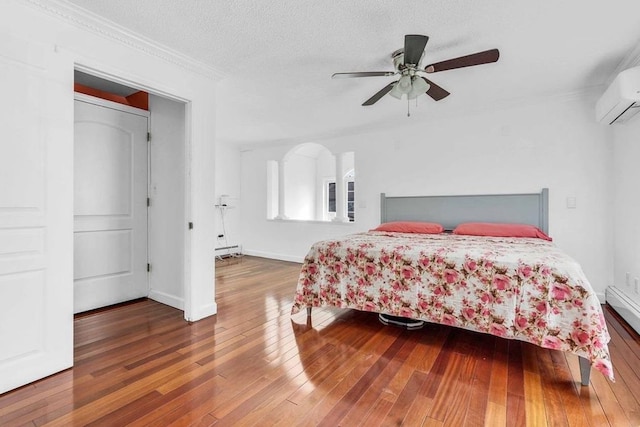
point(110, 204)
point(36, 193)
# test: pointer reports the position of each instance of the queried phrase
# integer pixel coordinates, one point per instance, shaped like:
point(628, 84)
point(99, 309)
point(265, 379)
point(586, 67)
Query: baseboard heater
point(228, 252)
point(627, 308)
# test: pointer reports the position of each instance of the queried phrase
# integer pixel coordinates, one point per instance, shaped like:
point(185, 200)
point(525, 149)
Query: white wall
point(166, 215)
point(94, 46)
point(300, 187)
point(626, 180)
point(552, 143)
point(626, 184)
point(228, 183)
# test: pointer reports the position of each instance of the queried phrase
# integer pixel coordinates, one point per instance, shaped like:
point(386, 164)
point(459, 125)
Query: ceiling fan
point(412, 82)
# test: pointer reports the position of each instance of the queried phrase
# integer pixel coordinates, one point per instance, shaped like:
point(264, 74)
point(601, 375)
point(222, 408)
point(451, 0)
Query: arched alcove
point(302, 184)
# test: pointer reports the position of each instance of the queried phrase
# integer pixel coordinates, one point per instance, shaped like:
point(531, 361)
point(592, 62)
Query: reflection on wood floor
point(254, 364)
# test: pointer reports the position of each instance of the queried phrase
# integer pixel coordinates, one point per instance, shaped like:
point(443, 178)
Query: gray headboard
point(452, 210)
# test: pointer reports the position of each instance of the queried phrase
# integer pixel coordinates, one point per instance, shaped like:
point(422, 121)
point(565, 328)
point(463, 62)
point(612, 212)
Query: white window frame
point(329, 215)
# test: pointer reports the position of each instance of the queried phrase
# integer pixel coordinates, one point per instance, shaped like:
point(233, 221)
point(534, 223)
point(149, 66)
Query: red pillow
point(411, 227)
point(500, 230)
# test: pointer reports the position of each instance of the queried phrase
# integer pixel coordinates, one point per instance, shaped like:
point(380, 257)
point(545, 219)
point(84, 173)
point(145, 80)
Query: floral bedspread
point(515, 288)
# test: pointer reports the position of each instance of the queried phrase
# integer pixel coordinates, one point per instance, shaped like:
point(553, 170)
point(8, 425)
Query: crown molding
point(89, 21)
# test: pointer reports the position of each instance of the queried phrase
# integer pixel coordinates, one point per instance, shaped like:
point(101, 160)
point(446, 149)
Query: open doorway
point(130, 184)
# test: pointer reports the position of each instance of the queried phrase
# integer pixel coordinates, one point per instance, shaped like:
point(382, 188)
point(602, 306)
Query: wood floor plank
point(481, 383)
point(535, 409)
point(558, 410)
point(423, 355)
point(378, 387)
point(330, 393)
point(459, 399)
point(534, 400)
point(361, 349)
point(571, 394)
point(340, 410)
point(124, 414)
point(192, 400)
point(515, 386)
point(403, 405)
point(496, 415)
point(497, 395)
point(378, 412)
point(254, 393)
point(315, 390)
point(610, 404)
point(620, 329)
point(447, 391)
point(142, 364)
point(282, 414)
point(594, 412)
point(622, 388)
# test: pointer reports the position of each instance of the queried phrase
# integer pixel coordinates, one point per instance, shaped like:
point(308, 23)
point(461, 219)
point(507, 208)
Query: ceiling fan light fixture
point(404, 84)
point(418, 87)
point(396, 92)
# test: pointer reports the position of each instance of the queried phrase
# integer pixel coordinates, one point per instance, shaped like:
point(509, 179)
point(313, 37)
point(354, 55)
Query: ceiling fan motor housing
point(398, 59)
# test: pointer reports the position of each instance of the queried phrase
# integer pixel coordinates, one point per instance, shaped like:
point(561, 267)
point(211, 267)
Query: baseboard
point(203, 311)
point(166, 299)
point(628, 309)
point(602, 297)
point(272, 255)
point(175, 302)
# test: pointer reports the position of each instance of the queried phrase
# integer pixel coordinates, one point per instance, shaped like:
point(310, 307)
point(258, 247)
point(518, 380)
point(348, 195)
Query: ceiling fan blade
point(435, 91)
point(382, 92)
point(414, 45)
point(485, 57)
point(362, 74)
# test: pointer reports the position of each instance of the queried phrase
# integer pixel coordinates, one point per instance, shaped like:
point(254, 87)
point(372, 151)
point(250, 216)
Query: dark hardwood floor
point(253, 364)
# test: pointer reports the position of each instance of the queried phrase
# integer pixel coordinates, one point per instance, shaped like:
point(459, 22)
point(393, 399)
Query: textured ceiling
point(279, 56)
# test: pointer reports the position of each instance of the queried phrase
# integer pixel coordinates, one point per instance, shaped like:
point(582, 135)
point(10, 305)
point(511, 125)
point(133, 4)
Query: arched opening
point(309, 183)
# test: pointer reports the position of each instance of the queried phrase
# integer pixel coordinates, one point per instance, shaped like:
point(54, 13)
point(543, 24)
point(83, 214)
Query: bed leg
point(585, 370)
point(308, 311)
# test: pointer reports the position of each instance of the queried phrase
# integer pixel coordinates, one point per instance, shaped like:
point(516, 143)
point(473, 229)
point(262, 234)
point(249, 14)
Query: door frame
point(77, 96)
point(189, 313)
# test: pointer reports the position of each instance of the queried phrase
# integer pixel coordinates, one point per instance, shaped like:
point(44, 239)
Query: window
point(351, 197)
point(331, 192)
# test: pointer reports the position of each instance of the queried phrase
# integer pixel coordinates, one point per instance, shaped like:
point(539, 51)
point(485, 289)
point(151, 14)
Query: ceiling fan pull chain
point(408, 107)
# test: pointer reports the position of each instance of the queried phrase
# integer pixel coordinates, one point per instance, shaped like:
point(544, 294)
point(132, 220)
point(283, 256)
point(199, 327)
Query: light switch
point(571, 202)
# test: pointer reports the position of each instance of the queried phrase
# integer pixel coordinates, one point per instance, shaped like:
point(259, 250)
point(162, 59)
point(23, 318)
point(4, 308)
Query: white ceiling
point(279, 56)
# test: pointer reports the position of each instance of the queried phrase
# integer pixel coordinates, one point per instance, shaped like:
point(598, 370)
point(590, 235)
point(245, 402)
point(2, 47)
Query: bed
point(512, 287)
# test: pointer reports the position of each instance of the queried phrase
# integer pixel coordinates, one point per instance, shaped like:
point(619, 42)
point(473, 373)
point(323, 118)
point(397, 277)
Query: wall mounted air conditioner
point(621, 101)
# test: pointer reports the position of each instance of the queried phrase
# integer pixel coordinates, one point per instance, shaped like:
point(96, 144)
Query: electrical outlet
point(628, 280)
